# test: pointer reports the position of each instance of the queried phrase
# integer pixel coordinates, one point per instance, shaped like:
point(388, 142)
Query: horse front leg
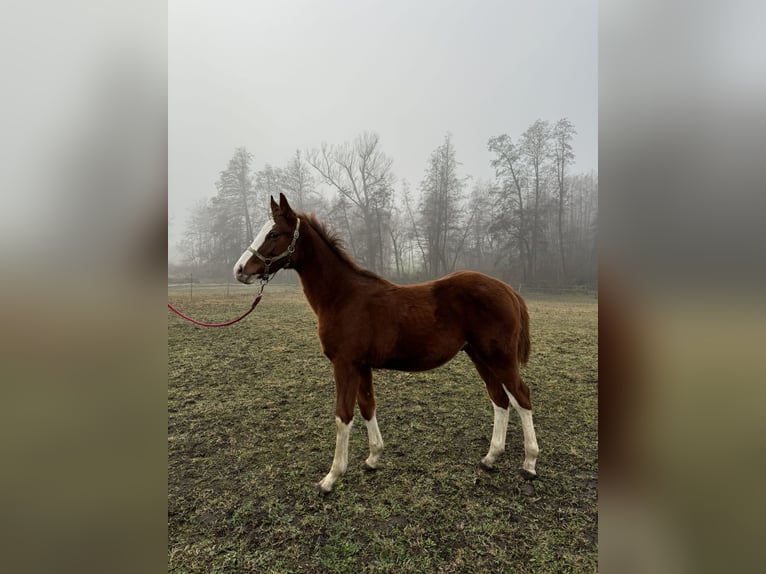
point(340, 460)
point(347, 380)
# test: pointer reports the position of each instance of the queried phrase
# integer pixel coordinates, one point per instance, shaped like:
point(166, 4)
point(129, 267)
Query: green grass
point(251, 431)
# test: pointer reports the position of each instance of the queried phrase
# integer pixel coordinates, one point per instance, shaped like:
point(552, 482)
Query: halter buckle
point(264, 280)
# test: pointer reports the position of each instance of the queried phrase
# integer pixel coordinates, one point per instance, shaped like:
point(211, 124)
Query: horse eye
point(273, 235)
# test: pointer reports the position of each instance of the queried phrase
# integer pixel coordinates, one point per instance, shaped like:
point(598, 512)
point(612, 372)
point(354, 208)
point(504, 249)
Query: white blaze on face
point(261, 236)
point(257, 242)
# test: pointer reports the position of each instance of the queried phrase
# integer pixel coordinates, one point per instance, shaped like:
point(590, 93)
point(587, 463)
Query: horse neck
point(325, 278)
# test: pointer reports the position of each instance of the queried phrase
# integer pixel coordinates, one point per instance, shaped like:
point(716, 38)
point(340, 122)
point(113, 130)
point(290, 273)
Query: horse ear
point(275, 211)
point(284, 206)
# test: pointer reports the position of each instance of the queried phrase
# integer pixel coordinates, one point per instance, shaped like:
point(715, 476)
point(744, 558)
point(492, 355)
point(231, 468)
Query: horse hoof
point(321, 490)
point(486, 466)
point(367, 468)
point(527, 474)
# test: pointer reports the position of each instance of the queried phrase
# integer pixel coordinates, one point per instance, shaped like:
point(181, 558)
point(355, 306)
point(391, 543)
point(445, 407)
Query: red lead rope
point(245, 314)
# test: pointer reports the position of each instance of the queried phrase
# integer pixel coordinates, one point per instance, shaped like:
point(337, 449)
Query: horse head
point(273, 246)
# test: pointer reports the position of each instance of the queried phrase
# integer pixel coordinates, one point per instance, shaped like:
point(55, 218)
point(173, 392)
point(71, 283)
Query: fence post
point(191, 286)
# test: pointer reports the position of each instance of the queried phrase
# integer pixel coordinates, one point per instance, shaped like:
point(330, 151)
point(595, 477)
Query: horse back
point(419, 327)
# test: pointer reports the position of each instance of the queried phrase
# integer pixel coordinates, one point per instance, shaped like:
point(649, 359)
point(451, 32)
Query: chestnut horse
point(366, 322)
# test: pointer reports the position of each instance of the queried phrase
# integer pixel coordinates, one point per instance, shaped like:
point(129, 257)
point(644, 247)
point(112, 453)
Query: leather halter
point(267, 261)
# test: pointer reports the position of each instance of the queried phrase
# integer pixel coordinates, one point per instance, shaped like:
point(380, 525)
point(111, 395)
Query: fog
point(278, 77)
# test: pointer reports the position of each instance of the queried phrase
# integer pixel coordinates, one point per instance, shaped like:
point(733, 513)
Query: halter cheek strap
point(267, 261)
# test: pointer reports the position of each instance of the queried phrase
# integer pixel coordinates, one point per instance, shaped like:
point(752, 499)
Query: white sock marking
point(376, 442)
point(499, 430)
point(340, 461)
point(531, 449)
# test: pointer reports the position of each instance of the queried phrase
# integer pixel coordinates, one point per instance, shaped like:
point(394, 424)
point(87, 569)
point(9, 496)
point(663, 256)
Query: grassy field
point(251, 430)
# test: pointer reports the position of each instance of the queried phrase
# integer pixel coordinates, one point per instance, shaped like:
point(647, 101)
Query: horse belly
point(422, 355)
point(413, 364)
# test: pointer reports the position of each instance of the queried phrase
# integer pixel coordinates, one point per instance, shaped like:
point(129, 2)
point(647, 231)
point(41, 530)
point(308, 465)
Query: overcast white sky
point(283, 75)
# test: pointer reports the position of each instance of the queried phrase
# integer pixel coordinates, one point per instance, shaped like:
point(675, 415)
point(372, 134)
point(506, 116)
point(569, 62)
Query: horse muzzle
point(241, 276)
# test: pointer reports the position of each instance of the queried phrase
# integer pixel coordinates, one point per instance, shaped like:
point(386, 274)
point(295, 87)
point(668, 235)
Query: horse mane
point(335, 243)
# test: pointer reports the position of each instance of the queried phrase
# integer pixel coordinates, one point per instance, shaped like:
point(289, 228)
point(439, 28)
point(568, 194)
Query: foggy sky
point(279, 76)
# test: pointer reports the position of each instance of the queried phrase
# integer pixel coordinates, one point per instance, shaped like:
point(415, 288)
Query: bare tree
point(269, 182)
point(536, 222)
point(298, 184)
point(410, 216)
point(582, 228)
point(482, 213)
point(362, 173)
point(195, 244)
point(235, 183)
point(440, 209)
point(397, 230)
point(535, 145)
point(510, 169)
point(338, 215)
point(562, 153)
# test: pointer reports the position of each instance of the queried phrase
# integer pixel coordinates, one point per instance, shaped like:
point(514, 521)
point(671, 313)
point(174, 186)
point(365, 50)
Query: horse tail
point(524, 343)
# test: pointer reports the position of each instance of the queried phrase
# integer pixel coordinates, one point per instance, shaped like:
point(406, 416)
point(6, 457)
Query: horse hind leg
point(519, 398)
point(365, 398)
point(499, 432)
point(502, 398)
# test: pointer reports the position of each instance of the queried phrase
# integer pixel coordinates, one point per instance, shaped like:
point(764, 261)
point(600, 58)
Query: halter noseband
point(267, 261)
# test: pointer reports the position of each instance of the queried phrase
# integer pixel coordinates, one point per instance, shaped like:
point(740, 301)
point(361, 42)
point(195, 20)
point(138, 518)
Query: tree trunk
point(561, 231)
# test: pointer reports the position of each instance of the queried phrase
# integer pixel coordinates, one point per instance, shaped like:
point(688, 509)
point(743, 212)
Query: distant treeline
point(534, 223)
